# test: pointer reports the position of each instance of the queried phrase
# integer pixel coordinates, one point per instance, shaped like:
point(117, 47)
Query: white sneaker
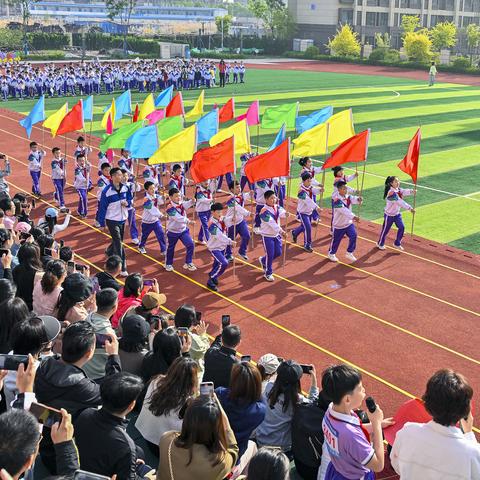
point(381, 247)
point(124, 274)
point(169, 268)
point(96, 224)
point(351, 256)
point(398, 247)
point(135, 241)
point(190, 266)
point(261, 264)
point(332, 257)
point(256, 231)
point(269, 278)
point(142, 250)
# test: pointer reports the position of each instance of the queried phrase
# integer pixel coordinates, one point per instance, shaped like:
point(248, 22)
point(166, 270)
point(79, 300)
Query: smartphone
point(48, 251)
point(45, 415)
point(25, 236)
point(182, 331)
point(142, 469)
point(100, 339)
point(206, 388)
point(12, 362)
point(225, 321)
point(33, 202)
point(148, 283)
point(306, 368)
point(83, 475)
point(246, 358)
point(3, 251)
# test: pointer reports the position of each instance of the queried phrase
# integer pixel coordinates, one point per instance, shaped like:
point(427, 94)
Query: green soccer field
point(448, 200)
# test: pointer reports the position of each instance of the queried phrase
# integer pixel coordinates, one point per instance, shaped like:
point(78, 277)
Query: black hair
point(7, 204)
point(114, 170)
point(337, 169)
point(124, 170)
point(29, 336)
point(5, 236)
point(287, 384)
point(185, 316)
point(269, 464)
point(305, 176)
point(29, 256)
point(78, 339)
point(112, 263)
point(8, 290)
point(18, 206)
point(133, 285)
point(36, 232)
point(80, 155)
point(176, 167)
point(173, 191)
point(119, 390)
point(65, 253)
point(268, 194)
point(231, 336)
point(55, 149)
point(12, 311)
point(45, 241)
point(54, 271)
point(106, 299)
point(388, 184)
point(338, 381)
point(148, 184)
point(303, 161)
point(216, 207)
point(80, 139)
point(231, 185)
point(340, 184)
point(104, 165)
point(33, 144)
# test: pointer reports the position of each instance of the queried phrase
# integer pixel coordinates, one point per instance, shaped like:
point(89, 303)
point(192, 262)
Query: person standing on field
point(432, 73)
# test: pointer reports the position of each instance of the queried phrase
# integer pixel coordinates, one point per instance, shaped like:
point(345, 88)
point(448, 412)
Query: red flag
point(227, 112)
point(73, 120)
point(409, 164)
point(109, 127)
point(213, 161)
point(354, 149)
point(275, 163)
point(175, 107)
point(136, 113)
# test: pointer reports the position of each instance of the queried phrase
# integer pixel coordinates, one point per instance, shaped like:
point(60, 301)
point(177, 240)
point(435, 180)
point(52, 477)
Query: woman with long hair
point(76, 300)
point(165, 401)
point(130, 296)
point(48, 289)
point(12, 311)
point(268, 464)
point(27, 272)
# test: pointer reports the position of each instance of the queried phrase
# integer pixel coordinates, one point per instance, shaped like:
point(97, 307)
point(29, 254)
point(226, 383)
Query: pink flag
point(252, 114)
point(155, 116)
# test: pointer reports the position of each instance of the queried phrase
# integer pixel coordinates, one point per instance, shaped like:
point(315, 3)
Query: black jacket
point(105, 280)
point(104, 445)
point(219, 361)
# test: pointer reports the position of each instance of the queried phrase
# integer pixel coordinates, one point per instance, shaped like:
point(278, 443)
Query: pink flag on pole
point(155, 116)
point(252, 114)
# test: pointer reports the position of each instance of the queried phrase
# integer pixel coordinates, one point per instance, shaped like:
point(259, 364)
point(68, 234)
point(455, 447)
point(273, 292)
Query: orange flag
point(227, 112)
point(175, 107)
point(355, 149)
point(275, 163)
point(409, 164)
point(73, 120)
point(213, 161)
point(135, 114)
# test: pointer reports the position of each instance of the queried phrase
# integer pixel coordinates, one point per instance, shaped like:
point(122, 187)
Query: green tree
point(121, 9)
point(473, 39)
point(345, 43)
point(24, 6)
point(410, 23)
point(382, 40)
point(275, 16)
point(227, 23)
point(10, 39)
point(443, 35)
point(418, 46)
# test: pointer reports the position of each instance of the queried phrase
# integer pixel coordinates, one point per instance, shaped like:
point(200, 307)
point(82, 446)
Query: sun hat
point(153, 300)
point(269, 362)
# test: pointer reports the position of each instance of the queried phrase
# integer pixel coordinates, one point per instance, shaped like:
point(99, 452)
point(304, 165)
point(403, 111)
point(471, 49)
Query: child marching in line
point(151, 217)
point(394, 197)
point(218, 241)
point(306, 164)
point(59, 165)
point(82, 149)
point(261, 188)
point(177, 179)
point(150, 174)
point(343, 218)
point(177, 229)
point(204, 200)
point(103, 181)
point(82, 184)
point(271, 233)
point(35, 159)
point(235, 219)
point(243, 178)
point(339, 176)
point(305, 208)
point(132, 222)
point(126, 163)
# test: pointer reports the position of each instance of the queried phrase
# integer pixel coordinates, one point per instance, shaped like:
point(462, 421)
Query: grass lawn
point(449, 190)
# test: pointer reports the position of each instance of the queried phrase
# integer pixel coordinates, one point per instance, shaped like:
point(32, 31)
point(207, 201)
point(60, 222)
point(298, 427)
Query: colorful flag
point(120, 137)
point(123, 105)
point(168, 127)
point(156, 116)
point(312, 142)
point(355, 149)
point(175, 107)
point(227, 112)
point(305, 122)
point(148, 106)
point(108, 111)
point(109, 126)
point(179, 148)
point(37, 114)
point(340, 127)
point(88, 109)
point(214, 161)
point(73, 120)
point(241, 133)
point(275, 117)
point(280, 138)
point(143, 143)
point(252, 115)
point(164, 98)
point(275, 163)
point(207, 126)
point(55, 119)
point(198, 107)
point(136, 113)
point(409, 164)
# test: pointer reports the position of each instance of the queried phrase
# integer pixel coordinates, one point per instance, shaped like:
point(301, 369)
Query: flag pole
point(414, 205)
point(363, 176)
point(324, 171)
point(289, 184)
point(258, 135)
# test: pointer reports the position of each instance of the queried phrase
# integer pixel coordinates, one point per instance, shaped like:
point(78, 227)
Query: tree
point(226, 22)
point(275, 16)
point(473, 39)
point(443, 35)
point(418, 46)
point(345, 43)
point(24, 6)
point(121, 9)
point(382, 40)
point(10, 39)
point(410, 23)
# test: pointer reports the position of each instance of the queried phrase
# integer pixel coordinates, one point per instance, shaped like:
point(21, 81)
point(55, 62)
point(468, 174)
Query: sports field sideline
point(449, 192)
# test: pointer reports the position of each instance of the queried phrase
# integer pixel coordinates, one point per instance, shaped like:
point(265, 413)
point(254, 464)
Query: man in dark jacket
point(106, 279)
point(221, 356)
point(61, 382)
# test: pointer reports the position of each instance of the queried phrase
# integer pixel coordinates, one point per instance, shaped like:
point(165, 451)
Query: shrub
point(378, 55)
point(462, 63)
point(388, 55)
point(311, 52)
point(418, 46)
point(345, 43)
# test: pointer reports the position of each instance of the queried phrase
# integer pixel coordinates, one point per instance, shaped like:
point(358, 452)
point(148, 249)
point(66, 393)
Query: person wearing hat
point(50, 222)
point(151, 302)
point(268, 365)
point(133, 345)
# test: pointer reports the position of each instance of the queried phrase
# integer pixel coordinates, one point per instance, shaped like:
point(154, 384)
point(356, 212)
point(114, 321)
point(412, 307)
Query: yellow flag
point(54, 120)
point(148, 106)
point(198, 107)
point(241, 133)
point(105, 115)
point(340, 127)
point(179, 148)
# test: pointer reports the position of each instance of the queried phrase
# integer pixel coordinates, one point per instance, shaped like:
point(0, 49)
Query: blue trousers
point(388, 221)
point(220, 263)
point(36, 182)
point(243, 182)
point(339, 233)
point(59, 185)
point(273, 249)
point(156, 227)
point(203, 233)
point(258, 207)
point(315, 215)
point(132, 222)
point(242, 230)
point(281, 192)
point(306, 228)
point(186, 239)
point(228, 178)
point(82, 201)
point(332, 474)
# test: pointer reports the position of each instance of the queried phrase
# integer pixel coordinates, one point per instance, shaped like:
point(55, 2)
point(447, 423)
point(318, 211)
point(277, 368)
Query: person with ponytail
point(306, 164)
point(393, 195)
point(48, 289)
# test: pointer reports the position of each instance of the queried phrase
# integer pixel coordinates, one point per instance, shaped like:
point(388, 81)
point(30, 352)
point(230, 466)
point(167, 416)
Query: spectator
point(267, 366)
point(205, 448)
point(48, 289)
point(165, 400)
point(27, 272)
point(65, 253)
point(113, 267)
point(101, 435)
point(50, 225)
point(268, 464)
point(7, 290)
point(36, 233)
point(7, 242)
point(61, 382)
point(46, 243)
point(151, 302)
point(221, 357)
point(26, 210)
point(439, 449)
point(106, 301)
point(133, 344)
point(76, 300)
point(8, 207)
point(12, 311)
point(283, 396)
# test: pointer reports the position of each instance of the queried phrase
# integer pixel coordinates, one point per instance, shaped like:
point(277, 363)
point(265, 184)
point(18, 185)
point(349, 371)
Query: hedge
point(44, 56)
point(99, 41)
point(47, 41)
point(218, 55)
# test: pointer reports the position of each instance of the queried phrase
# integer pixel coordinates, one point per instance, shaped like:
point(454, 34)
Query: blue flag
point(88, 109)
point(143, 143)
point(280, 138)
point(36, 115)
point(207, 126)
point(306, 122)
point(123, 105)
point(164, 98)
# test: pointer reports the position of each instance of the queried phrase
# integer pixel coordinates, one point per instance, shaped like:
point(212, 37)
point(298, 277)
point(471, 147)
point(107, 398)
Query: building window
point(378, 3)
point(359, 2)
point(444, 4)
point(369, 40)
point(425, 20)
point(410, 4)
point(359, 18)
point(376, 19)
point(345, 15)
point(395, 20)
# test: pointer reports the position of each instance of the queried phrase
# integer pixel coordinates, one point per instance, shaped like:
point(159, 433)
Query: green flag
point(119, 138)
point(275, 117)
point(170, 126)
